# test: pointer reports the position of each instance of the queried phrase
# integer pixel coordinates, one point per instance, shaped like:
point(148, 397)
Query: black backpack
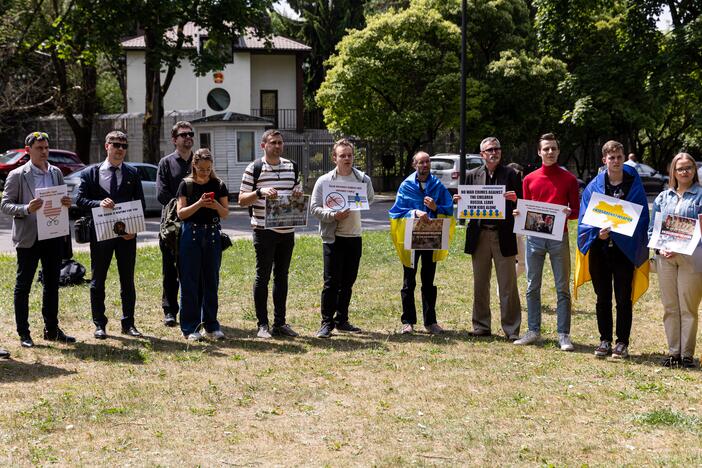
point(258, 166)
point(169, 230)
point(72, 273)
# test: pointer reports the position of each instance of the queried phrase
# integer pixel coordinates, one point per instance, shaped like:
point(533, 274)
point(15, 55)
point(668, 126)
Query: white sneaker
point(530, 337)
point(564, 341)
point(195, 337)
point(263, 332)
point(215, 335)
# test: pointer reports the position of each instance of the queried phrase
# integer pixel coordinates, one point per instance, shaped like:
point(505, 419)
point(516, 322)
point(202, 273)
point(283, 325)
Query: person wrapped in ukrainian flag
point(609, 258)
point(421, 195)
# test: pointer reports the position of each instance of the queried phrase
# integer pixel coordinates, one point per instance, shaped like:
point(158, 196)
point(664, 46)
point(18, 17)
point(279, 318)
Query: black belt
point(489, 227)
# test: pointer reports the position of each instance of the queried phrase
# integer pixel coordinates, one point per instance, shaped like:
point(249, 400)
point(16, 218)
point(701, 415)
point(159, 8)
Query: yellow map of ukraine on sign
point(614, 213)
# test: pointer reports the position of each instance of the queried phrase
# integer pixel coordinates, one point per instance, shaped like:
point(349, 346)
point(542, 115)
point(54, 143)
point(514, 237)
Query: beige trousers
point(487, 251)
point(681, 292)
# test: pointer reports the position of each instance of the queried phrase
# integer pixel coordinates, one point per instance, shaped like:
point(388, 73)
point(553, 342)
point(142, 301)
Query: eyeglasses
point(119, 145)
point(34, 136)
point(681, 170)
point(496, 149)
point(186, 134)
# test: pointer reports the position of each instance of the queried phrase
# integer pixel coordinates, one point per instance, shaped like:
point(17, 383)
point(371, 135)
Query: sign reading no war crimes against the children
point(481, 202)
point(338, 196)
point(52, 217)
point(125, 218)
point(608, 212)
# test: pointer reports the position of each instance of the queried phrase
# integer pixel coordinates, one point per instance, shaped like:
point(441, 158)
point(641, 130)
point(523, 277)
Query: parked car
point(653, 181)
point(67, 161)
point(147, 172)
point(445, 167)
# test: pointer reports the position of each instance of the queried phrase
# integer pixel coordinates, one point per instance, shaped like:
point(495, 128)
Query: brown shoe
point(434, 329)
point(407, 329)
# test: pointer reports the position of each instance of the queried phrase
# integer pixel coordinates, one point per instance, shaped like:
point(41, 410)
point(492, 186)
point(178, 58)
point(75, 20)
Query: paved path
point(236, 225)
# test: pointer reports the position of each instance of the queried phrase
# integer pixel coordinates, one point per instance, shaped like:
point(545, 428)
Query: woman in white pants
point(680, 276)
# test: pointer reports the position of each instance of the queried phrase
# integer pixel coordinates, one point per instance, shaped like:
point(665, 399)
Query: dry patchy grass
point(376, 399)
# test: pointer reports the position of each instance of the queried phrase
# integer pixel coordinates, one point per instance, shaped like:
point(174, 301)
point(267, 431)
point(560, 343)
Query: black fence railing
point(286, 119)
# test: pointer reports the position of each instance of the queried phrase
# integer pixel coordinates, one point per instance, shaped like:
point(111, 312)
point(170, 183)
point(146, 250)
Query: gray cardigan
point(327, 223)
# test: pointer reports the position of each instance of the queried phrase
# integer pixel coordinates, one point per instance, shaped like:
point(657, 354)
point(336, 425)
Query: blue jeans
point(559, 253)
point(200, 253)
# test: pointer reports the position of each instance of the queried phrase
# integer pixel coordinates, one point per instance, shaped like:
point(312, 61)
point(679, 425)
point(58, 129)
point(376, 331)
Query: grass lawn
point(379, 398)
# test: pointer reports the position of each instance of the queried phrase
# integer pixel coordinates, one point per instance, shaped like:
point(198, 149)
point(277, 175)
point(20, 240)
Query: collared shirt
point(106, 175)
point(42, 179)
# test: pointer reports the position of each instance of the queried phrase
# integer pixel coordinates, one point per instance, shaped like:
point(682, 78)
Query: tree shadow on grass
point(18, 371)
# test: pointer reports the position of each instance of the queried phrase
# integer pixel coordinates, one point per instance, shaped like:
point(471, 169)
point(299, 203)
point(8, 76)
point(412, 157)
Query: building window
point(206, 141)
point(269, 105)
point(245, 146)
point(218, 99)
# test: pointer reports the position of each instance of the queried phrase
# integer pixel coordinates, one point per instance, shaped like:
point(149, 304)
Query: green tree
point(395, 81)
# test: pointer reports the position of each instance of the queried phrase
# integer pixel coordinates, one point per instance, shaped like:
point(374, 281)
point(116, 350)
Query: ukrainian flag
point(410, 196)
point(635, 247)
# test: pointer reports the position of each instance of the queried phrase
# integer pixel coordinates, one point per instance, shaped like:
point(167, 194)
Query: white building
point(258, 81)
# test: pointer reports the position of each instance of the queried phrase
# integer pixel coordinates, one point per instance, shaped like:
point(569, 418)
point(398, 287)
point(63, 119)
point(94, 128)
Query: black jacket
point(90, 194)
point(508, 240)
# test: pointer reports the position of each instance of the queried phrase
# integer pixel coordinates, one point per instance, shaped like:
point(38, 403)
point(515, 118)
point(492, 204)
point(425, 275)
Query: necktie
point(113, 183)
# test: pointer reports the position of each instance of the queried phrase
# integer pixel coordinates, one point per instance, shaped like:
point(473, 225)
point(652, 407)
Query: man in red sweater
point(550, 184)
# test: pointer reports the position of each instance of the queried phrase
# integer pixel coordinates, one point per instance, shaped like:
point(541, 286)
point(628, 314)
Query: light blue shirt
point(669, 202)
point(42, 179)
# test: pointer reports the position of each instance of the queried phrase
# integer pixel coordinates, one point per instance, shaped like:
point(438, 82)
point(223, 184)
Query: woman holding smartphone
point(680, 276)
point(203, 200)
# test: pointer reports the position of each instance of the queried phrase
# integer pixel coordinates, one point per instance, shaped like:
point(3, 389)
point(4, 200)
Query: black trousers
point(273, 254)
point(341, 261)
point(409, 312)
point(48, 252)
point(100, 259)
point(169, 273)
point(608, 266)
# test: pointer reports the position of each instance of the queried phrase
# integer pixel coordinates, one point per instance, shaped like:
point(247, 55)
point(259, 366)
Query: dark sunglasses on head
point(119, 145)
point(186, 134)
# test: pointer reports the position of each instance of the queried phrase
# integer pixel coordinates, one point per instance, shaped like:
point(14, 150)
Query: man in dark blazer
point(19, 200)
point(489, 241)
point(104, 185)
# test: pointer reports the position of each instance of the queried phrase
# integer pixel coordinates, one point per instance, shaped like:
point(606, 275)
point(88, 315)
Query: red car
point(67, 161)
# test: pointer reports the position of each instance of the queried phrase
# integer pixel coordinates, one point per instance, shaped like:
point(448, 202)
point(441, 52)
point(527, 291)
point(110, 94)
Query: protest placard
point(675, 234)
point(608, 212)
point(124, 218)
point(481, 202)
point(427, 234)
point(339, 196)
point(52, 217)
point(539, 219)
point(286, 211)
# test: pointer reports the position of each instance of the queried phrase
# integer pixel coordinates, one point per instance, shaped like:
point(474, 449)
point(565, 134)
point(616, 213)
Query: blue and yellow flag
point(410, 197)
point(635, 247)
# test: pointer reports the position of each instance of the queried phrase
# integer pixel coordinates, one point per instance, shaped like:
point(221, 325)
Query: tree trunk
point(153, 111)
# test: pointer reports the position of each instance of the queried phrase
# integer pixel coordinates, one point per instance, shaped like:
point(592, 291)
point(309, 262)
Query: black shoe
point(26, 341)
point(132, 331)
point(688, 362)
point(671, 361)
point(100, 333)
point(4, 354)
point(58, 335)
point(325, 331)
point(482, 333)
point(169, 320)
point(348, 328)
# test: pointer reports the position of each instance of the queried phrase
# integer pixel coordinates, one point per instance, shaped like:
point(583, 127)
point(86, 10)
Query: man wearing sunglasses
point(105, 185)
point(171, 171)
point(19, 200)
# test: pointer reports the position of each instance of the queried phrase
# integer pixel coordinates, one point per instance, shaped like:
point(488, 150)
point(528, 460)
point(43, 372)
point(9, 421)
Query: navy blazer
point(507, 239)
point(90, 194)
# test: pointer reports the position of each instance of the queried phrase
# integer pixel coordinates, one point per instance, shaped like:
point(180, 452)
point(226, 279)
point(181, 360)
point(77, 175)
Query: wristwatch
point(258, 193)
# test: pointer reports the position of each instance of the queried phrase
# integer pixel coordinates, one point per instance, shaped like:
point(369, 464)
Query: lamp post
point(462, 151)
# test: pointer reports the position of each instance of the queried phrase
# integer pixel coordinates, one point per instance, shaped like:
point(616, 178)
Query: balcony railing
point(286, 119)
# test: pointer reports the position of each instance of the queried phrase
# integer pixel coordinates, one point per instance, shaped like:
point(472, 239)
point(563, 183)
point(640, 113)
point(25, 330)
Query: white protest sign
point(339, 196)
point(675, 234)
point(124, 218)
point(608, 212)
point(52, 217)
point(539, 219)
point(481, 202)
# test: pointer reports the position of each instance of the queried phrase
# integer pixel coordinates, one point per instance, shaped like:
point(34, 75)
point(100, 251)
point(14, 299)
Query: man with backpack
point(171, 171)
point(266, 178)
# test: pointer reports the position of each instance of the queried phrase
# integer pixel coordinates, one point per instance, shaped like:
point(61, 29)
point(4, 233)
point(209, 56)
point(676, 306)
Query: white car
point(147, 172)
point(445, 166)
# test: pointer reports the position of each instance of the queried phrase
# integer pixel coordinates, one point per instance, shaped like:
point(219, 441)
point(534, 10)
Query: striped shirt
point(281, 177)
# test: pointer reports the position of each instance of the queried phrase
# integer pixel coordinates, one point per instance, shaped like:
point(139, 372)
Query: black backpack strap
point(257, 168)
point(296, 170)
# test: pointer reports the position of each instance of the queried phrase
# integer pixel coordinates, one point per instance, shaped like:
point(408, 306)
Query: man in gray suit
point(19, 200)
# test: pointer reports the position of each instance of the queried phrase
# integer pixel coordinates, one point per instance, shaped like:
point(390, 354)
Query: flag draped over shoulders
point(635, 247)
point(410, 197)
